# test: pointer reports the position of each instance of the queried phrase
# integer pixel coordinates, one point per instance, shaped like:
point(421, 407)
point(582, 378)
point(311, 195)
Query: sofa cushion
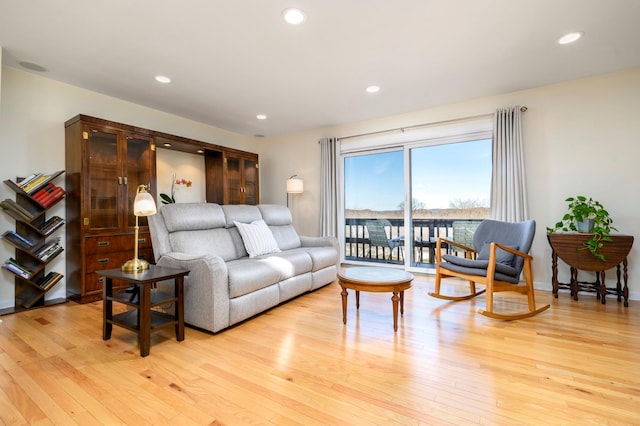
point(279, 220)
point(289, 263)
point(275, 214)
point(322, 257)
point(286, 236)
point(247, 275)
point(216, 241)
point(240, 213)
point(192, 216)
point(257, 238)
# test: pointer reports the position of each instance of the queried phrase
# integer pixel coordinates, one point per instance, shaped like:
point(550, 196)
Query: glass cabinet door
point(102, 180)
point(234, 183)
point(250, 182)
point(139, 169)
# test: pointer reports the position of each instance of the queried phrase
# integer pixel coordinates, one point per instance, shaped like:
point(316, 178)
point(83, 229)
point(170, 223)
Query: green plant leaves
point(167, 199)
point(581, 208)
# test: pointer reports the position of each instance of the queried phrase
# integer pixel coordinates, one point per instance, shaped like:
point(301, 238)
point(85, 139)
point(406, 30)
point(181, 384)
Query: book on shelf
point(36, 184)
point(44, 191)
point(17, 269)
point(49, 280)
point(18, 210)
point(56, 194)
point(51, 225)
point(26, 181)
point(48, 250)
point(18, 239)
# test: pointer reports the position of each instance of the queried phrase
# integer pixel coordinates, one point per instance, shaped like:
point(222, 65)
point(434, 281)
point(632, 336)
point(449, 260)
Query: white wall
point(184, 166)
point(582, 138)
point(33, 110)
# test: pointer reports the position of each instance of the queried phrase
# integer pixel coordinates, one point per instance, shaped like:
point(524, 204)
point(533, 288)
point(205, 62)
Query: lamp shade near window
point(295, 185)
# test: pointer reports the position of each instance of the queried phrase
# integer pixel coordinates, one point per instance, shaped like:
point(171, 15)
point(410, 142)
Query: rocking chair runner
point(502, 254)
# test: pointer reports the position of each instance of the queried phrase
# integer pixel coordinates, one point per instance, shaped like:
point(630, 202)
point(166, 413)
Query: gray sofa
point(225, 285)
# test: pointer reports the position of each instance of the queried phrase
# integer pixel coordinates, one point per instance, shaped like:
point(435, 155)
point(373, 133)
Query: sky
point(439, 174)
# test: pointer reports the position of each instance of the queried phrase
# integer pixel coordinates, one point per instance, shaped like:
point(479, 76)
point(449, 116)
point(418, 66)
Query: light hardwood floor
point(577, 363)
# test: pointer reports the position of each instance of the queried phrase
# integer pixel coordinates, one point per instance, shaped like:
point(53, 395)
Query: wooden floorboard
point(297, 364)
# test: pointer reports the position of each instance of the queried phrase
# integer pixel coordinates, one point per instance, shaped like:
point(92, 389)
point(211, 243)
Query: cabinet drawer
point(115, 243)
point(100, 261)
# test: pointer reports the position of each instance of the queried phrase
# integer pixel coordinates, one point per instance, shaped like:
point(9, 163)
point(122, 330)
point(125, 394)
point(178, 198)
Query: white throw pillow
point(257, 238)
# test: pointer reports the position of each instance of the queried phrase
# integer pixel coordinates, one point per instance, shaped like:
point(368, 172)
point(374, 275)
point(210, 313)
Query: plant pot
point(586, 226)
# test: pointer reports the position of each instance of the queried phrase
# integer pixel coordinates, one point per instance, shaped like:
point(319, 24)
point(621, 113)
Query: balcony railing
point(425, 232)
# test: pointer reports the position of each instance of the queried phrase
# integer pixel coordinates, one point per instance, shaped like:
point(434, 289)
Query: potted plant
point(587, 215)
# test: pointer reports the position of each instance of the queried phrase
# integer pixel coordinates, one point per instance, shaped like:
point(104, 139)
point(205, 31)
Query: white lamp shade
point(295, 186)
point(144, 205)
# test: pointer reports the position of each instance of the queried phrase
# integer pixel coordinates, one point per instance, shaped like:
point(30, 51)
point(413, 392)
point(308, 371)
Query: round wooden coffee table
point(375, 279)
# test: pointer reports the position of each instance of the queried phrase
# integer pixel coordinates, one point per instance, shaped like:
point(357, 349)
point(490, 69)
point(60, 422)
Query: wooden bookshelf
point(33, 250)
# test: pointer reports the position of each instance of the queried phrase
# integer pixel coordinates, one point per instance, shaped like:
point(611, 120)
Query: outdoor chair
point(378, 237)
point(502, 254)
point(463, 231)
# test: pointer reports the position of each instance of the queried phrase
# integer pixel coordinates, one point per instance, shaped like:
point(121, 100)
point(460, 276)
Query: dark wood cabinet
point(232, 177)
point(106, 162)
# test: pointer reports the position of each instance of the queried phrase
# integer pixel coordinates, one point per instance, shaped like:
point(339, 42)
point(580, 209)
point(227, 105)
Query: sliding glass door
point(373, 200)
point(428, 187)
point(450, 185)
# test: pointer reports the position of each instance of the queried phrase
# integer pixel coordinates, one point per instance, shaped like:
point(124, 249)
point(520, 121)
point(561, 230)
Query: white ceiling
point(232, 59)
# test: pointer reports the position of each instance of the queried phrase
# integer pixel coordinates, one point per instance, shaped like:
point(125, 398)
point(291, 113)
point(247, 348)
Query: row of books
point(48, 194)
point(18, 211)
point(51, 225)
point(48, 250)
point(34, 182)
point(49, 280)
point(46, 228)
point(18, 240)
point(17, 269)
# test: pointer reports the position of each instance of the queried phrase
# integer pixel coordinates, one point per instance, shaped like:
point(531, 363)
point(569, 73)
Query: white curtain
point(508, 186)
point(329, 191)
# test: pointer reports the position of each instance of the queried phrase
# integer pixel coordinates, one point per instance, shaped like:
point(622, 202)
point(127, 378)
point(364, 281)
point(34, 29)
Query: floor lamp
point(143, 205)
point(295, 185)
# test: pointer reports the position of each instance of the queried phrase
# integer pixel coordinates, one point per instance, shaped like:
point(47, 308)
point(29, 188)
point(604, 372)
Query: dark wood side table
point(570, 248)
point(143, 320)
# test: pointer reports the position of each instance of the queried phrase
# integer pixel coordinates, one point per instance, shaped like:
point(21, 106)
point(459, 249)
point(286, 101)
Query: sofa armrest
point(320, 242)
point(206, 290)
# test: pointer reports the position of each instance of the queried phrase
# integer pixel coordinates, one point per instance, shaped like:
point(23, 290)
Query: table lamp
point(143, 205)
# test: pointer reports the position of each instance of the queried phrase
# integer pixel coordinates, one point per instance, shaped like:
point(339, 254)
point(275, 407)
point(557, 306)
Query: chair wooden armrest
point(513, 251)
point(469, 251)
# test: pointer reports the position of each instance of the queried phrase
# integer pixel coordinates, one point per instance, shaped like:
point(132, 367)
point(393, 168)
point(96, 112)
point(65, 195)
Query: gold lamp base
point(135, 265)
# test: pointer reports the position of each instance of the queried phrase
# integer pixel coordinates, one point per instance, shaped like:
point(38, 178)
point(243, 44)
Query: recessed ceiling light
point(32, 66)
point(570, 37)
point(163, 79)
point(373, 89)
point(167, 144)
point(293, 16)
point(200, 151)
point(261, 117)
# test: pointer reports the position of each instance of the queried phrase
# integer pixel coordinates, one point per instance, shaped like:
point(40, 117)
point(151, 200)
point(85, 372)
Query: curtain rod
point(415, 126)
